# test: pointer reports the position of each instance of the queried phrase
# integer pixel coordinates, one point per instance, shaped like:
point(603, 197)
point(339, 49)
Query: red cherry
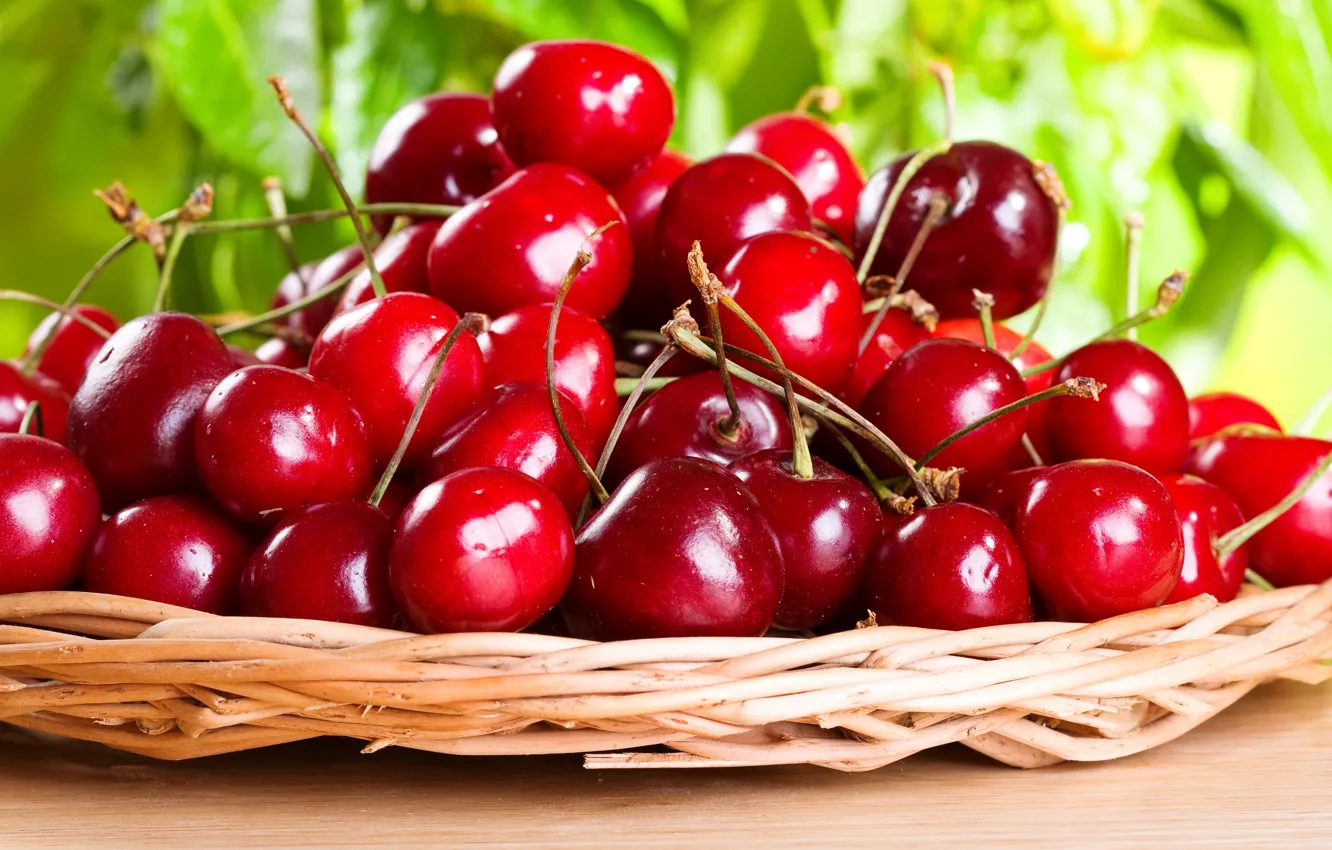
point(401, 261)
point(380, 354)
point(513, 428)
point(597, 107)
point(1205, 513)
point(896, 333)
point(1142, 417)
point(481, 550)
point(721, 202)
point(681, 550)
point(401, 490)
point(282, 351)
point(826, 526)
point(648, 303)
point(810, 149)
point(132, 420)
point(1210, 412)
point(952, 566)
point(1006, 341)
point(513, 246)
point(71, 352)
point(309, 321)
point(242, 358)
point(18, 390)
point(1100, 538)
point(48, 511)
point(1007, 491)
point(269, 440)
point(641, 352)
point(998, 235)
point(323, 562)
point(172, 549)
point(439, 149)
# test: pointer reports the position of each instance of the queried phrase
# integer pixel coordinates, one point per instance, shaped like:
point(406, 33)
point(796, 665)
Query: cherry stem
point(277, 206)
point(1044, 304)
point(18, 295)
point(33, 419)
point(984, 304)
point(710, 288)
point(1253, 578)
point(828, 99)
point(289, 107)
point(1133, 223)
point(178, 235)
point(913, 165)
point(254, 322)
point(881, 491)
point(1036, 459)
point(626, 386)
point(237, 225)
point(1080, 387)
point(1311, 419)
point(938, 206)
point(1241, 534)
point(944, 74)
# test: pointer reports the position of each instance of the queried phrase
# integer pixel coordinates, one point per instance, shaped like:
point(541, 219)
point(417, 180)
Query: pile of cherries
point(413, 445)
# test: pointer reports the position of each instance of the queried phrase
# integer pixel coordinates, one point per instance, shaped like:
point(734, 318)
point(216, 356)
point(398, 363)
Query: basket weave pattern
point(174, 684)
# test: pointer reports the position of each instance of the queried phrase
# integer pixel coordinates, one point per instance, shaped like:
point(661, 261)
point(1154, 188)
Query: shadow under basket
point(174, 684)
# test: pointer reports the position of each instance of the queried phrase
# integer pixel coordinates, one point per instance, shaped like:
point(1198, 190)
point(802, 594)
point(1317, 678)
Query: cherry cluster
point(433, 436)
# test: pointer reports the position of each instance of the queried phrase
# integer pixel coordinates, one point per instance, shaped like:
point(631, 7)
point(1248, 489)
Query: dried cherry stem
point(32, 419)
point(944, 74)
point(237, 225)
point(937, 208)
point(984, 304)
point(289, 107)
point(1306, 426)
point(277, 207)
point(1133, 223)
point(909, 170)
point(198, 205)
point(1079, 387)
point(18, 295)
point(922, 312)
point(1061, 211)
point(828, 99)
point(626, 386)
point(257, 321)
point(710, 288)
point(1241, 534)
point(876, 485)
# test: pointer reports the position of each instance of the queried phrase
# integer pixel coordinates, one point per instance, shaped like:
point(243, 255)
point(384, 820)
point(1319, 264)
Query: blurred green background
point(1212, 117)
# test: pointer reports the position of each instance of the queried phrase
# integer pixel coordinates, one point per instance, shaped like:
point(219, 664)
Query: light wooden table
point(1259, 775)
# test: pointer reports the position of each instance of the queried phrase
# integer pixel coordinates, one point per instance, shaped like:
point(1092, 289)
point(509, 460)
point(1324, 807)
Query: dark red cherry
point(481, 550)
point(18, 390)
point(1205, 513)
point(513, 246)
point(512, 427)
point(1008, 490)
point(642, 351)
point(600, 108)
point(380, 354)
point(438, 149)
point(682, 549)
point(1259, 468)
point(48, 511)
point(323, 562)
point(803, 293)
point(811, 150)
point(721, 202)
point(826, 526)
point(1006, 341)
point(178, 550)
point(514, 349)
point(1142, 417)
point(896, 333)
point(242, 358)
point(283, 351)
point(401, 490)
point(648, 303)
point(307, 322)
point(401, 261)
point(1100, 538)
point(71, 352)
point(1210, 412)
point(952, 566)
point(269, 440)
point(998, 235)
point(132, 420)
point(683, 419)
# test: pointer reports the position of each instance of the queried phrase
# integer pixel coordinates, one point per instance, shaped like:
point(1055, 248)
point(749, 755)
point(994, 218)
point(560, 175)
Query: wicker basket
point(173, 684)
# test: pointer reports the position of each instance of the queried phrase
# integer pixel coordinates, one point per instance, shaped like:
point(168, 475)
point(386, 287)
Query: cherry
point(269, 440)
point(811, 150)
point(1205, 513)
point(998, 235)
point(1007, 491)
point(896, 333)
point(401, 260)
point(242, 357)
point(684, 418)
point(323, 562)
point(481, 550)
point(1100, 538)
point(401, 490)
point(72, 350)
point(132, 420)
point(513, 428)
point(172, 549)
point(380, 353)
point(1210, 412)
point(803, 293)
point(1141, 419)
point(597, 107)
point(309, 321)
point(682, 549)
point(952, 566)
point(512, 247)
point(48, 511)
point(721, 202)
point(18, 391)
point(1006, 341)
point(641, 352)
point(514, 349)
point(282, 351)
point(438, 149)
point(648, 303)
point(826, 526)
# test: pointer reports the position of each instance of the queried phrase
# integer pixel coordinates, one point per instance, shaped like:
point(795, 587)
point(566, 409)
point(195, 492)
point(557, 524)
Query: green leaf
point(673, 13)
point(636, 25)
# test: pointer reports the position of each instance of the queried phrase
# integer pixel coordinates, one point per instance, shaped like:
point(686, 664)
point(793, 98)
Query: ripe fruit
point(71, 352)
point(1006, 341)
point(401, 260)
point(648, 304)
point(48, 510)
point(18, 390)
point(1205, 513)
point(282, 351)
point(642, 351)
point(998, 235)
point(596, 107)
point(481, 550)
point(896, 333)
point(1210, 412)
point(513, 246)
point(681, 550)
point(1007, 491)
point(307, 322)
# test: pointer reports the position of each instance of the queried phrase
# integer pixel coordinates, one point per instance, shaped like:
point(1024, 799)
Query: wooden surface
point(1259, 775)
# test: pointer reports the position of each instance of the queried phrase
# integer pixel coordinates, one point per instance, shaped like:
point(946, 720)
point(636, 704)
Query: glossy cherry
point(1006, 341)
point(401, 490)
point(401, 261)
point(597, 107)
point(1210, 412)
point(896, 333)
point(1142, 417)
point(641, 352)
point(481, 550)
point(132, 420)
point(242, 358)
point(1100, 538)
point(438, 149)
point(1205, 513)
point(72, 350)
point(1007, 491)
point(826, 527)
point(648, 302)
point(998, 235)
point(682, 549)
point(283, 351)
point(307, 322)
point(48, 511)
point(18, 391)
point(178, 550)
